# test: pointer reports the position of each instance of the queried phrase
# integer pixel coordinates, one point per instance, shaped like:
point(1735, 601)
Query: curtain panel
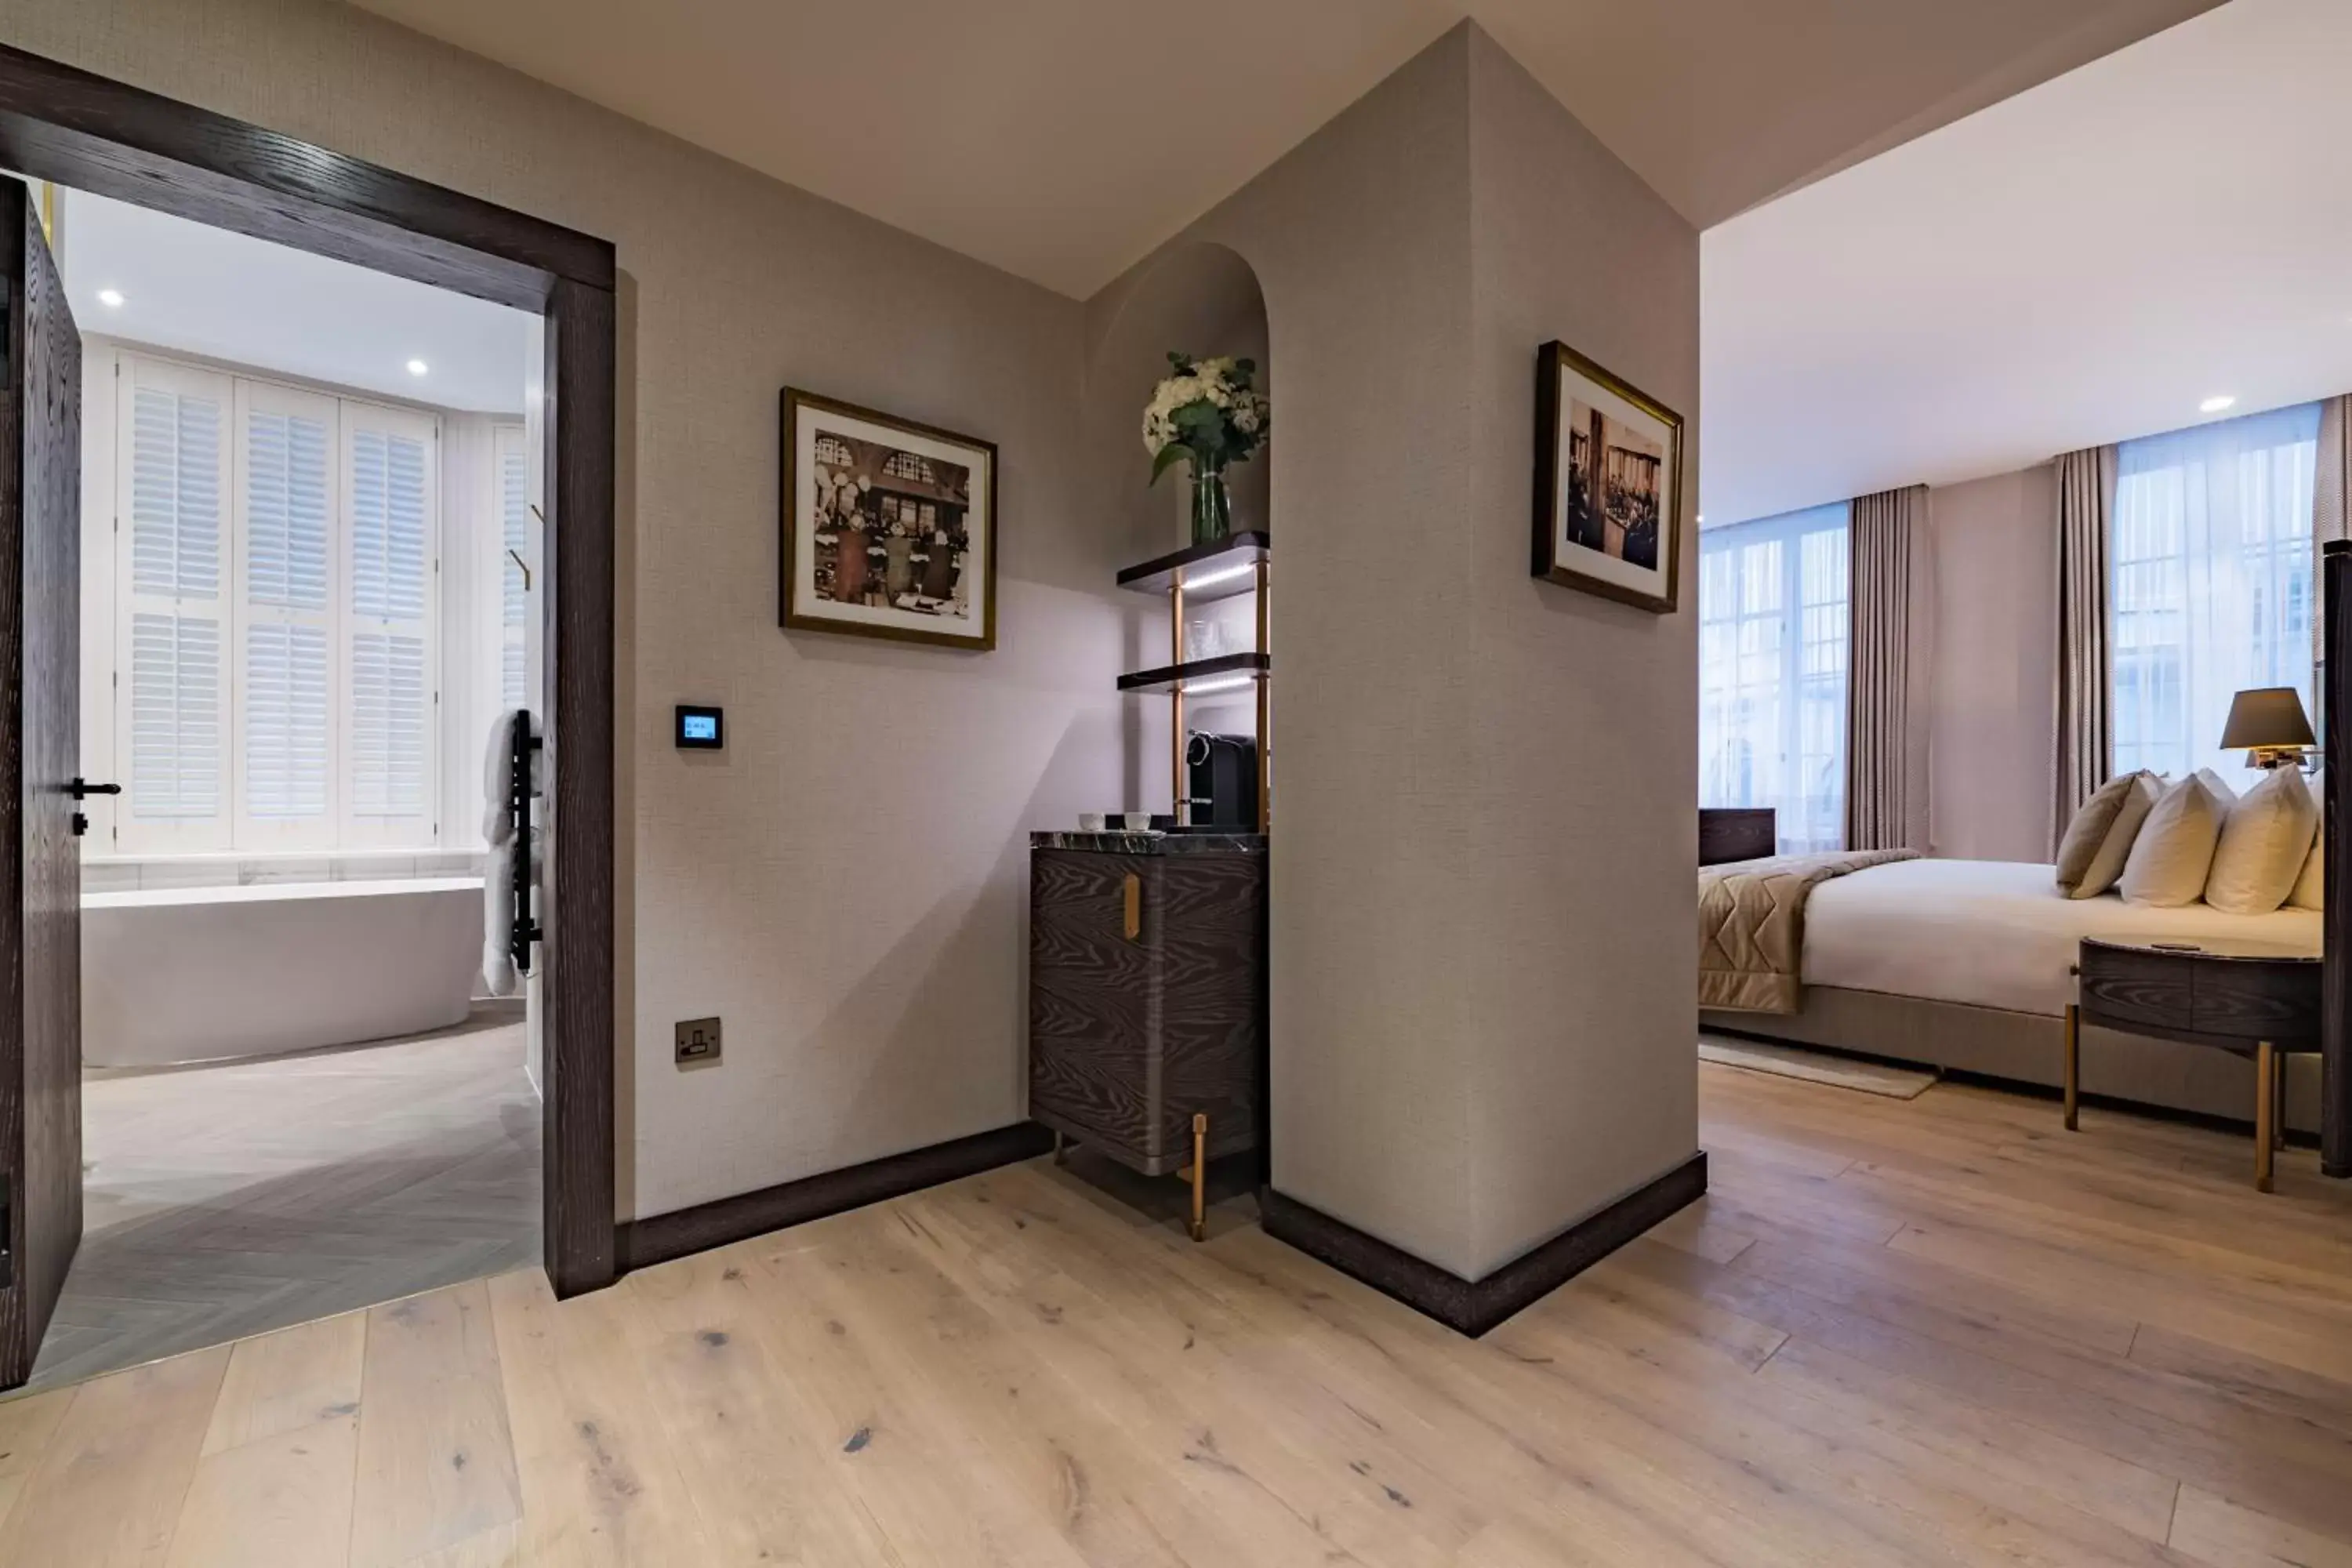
point(1880, 536)
point(2086, 736)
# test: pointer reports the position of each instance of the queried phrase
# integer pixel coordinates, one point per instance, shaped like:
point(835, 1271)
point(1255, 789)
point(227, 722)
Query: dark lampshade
point(2266, 716)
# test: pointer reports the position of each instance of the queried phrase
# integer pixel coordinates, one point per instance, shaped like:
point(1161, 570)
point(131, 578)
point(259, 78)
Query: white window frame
point(1777, 648)
point(233, 830)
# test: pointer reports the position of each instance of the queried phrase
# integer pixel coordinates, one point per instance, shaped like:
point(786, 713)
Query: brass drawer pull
point(1134, 921)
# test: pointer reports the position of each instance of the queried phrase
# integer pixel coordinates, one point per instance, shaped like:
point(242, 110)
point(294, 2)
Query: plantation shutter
point(392, 672)
point(287, 558)
point(173, 474)
point(517, 565)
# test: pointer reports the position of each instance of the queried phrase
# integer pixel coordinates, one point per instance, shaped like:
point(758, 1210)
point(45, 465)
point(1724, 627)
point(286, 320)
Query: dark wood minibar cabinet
point(1147, 996)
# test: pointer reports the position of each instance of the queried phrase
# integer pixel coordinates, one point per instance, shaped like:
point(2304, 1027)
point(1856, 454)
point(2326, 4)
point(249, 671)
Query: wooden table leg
point(1200, 1175)
point(2265, 1112)
point(2074, 1063)
point(1061, 1150)
point(2278, 1102)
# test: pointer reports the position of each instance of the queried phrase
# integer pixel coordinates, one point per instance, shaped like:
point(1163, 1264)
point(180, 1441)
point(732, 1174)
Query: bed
point(1965, 964)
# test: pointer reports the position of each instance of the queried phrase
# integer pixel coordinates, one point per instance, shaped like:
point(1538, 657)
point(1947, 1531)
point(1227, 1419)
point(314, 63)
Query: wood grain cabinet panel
point(2126, 989)
point(1131, 1035)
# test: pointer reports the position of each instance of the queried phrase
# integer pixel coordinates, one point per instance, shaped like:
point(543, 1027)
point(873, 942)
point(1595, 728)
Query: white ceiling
point(208, 291)
point(1062, 140)
point(2080, 264)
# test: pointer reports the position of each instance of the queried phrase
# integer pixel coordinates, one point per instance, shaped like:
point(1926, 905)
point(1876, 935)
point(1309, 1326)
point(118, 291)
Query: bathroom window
point(277, 614)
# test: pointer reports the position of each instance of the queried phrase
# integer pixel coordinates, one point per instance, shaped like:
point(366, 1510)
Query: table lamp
point(2267, 723)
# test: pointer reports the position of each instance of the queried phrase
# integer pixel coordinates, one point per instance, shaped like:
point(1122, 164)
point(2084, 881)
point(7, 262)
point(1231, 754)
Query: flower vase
point(1213, 504)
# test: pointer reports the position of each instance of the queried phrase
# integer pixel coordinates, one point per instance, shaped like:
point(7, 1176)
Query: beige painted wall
point(845, 884)
point(1991, 734)
point(1485, 840)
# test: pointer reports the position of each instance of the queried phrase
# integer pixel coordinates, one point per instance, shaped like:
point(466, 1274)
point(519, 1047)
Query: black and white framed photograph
point(1609, 480)
point(889, 527)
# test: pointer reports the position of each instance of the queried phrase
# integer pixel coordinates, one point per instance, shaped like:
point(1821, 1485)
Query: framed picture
point(1608, 483)
point(889, 527)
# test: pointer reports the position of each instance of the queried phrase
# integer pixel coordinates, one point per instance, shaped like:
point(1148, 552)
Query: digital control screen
point(701, 729)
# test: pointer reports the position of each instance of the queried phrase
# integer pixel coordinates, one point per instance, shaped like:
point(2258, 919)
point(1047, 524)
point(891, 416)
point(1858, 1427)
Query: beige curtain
point(2331, 502)
point(1878, 669)
point(2086, 501)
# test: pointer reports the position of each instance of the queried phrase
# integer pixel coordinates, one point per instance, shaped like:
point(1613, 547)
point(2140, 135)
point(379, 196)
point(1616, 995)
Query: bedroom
point(2025, 441)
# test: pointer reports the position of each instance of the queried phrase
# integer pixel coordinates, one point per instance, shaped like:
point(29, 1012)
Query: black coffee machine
point(1221, 781)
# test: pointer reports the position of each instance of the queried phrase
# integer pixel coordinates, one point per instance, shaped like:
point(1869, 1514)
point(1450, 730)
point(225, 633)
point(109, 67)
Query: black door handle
point(80, 790)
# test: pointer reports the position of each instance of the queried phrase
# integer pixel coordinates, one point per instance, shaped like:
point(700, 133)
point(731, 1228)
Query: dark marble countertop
point(1116, 842)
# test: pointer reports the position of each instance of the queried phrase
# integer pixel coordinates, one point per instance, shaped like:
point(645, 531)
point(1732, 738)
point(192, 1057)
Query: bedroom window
point(1772, 660)
point(2210, 582)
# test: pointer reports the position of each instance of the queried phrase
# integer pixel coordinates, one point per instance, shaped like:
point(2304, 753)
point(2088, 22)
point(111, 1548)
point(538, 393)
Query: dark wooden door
point(40, 864)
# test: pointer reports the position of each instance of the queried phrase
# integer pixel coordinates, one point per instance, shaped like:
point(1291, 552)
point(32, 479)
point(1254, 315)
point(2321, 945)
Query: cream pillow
point(2094, 827)
point(2174, 852)
point(2310, 887)
point(2145, 789)
point(2264, 842)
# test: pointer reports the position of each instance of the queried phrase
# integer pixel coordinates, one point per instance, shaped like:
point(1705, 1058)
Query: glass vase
point(1213, 504)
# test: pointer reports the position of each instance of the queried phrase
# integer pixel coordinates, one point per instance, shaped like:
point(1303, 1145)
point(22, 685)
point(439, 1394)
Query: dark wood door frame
point(84, 132)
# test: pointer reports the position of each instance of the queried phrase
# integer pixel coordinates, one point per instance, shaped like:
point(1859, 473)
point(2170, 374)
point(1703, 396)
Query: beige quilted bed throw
point(1752, 925)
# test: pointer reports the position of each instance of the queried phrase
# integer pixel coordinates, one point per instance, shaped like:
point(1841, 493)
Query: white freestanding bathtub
point(182, 975)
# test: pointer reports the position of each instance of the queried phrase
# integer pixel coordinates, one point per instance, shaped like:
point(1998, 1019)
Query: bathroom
point(307, 559)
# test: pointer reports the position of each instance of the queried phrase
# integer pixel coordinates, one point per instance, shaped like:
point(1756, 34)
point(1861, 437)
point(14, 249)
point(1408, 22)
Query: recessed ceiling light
point(417, 367)
point(2216, 404)
point(111, 297)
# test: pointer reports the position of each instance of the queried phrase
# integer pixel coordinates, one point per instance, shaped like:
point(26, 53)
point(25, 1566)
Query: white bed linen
point(1991, 934)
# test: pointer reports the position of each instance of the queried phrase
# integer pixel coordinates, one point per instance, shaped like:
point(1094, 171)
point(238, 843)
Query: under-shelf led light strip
point(1211, 688)
point(1210, 580)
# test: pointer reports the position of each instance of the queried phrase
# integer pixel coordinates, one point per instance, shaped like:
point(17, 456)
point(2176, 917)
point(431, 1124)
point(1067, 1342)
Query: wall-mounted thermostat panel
point(701, 729)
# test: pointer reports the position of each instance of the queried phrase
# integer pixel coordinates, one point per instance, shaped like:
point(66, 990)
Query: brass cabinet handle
point(1134, 921)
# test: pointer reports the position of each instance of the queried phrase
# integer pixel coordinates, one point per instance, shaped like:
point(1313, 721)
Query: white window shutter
point(518, 542)
point(174, 478)
point(392, 674)
point(285, 561)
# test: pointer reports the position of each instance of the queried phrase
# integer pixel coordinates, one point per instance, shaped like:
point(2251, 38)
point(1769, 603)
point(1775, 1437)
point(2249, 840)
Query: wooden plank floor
point(225, 1201)
point(1940, 1331)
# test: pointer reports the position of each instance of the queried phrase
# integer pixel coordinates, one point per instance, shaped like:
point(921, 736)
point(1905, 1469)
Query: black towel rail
point(525, 931)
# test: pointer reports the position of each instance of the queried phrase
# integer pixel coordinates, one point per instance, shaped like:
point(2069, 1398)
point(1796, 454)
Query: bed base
point(2027, 1047)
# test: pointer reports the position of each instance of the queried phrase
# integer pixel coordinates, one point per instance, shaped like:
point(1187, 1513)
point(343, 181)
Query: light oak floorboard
point(1939, 1332)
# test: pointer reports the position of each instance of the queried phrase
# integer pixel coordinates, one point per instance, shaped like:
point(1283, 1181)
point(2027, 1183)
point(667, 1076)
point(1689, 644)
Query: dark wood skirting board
point(644, 1242)
point(2336, 824)
point(66, 125)
point(1473, 1306)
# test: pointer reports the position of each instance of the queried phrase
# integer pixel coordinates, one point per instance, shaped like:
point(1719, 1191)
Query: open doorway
point(85, 132)
point(309, 572)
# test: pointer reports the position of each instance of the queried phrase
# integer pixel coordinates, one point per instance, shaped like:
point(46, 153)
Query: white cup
point(1136, 821)
point(1091, 822)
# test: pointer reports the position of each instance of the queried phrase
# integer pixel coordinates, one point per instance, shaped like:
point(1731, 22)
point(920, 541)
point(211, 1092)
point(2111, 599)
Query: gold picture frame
point(886, 526)
point(1609, 484)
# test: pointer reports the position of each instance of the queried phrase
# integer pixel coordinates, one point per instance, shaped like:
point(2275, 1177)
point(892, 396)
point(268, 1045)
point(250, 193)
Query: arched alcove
point(1204, 301)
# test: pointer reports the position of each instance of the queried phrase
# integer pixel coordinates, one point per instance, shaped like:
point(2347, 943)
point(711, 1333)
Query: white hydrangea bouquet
point(1208, 411)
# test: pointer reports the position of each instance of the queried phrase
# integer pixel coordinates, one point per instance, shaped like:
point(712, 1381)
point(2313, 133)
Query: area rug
point(1816, 1066)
